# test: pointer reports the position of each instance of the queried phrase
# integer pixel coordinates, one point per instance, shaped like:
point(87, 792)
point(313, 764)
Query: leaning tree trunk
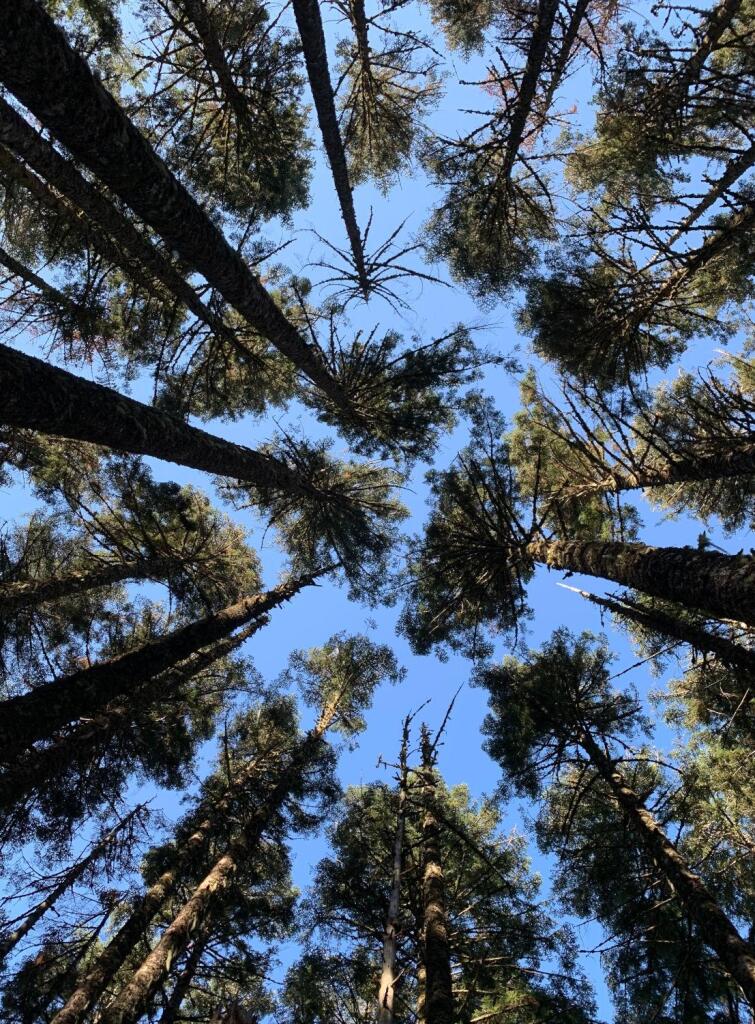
point(722, 585)
point(718, 932)
point(439, 1002)
point(116, 234)
point(196, 915)
point(172, 1009)
point(541, 35)
point(55, 83)
point(309, 23)
point(40, 713)
point(37, 396)
point(37, 768)
point(12, 939)
point(386, 992)
point(23, 593)
point(697, 637)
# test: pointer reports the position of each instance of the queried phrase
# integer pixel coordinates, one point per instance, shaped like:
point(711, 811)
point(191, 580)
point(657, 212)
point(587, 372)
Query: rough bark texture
point(42, 397)
point(736, 955)
point(439, 1003)
point(40, 713)
point(309, 23)
point(23, 593)
point(388, 974)
point(11, 940)
point(40, 67)
point(38, 765)
point(120, 234)
point(195, 916)
point(697, 637)
point(722, 585)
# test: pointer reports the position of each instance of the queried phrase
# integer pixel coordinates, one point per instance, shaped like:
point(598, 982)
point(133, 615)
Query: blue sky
point(318, 612)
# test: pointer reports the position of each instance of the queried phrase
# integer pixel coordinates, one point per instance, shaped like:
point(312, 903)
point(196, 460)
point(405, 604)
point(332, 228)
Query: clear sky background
point(320, 611)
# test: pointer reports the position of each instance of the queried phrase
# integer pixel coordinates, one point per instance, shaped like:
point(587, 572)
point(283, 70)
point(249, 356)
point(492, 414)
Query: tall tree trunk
point(718, 932)
point(55, 83)
point(39, 714)
point(116, 234)
point(678, 84)
point(312, 34)
point(735, 457)
point(11, 940)
point(172, 1009)
point(42, 397)
point(207, 899)
point(541, 35)
point(388, 979)
point(37, 767)
point(722, 585)
point(22, 593)
point(697, 637)
point(53, 295)
point(439, 1003)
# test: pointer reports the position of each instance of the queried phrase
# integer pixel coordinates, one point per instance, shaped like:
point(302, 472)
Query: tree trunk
point(117, 235)
point(11, 940)
point(41, 397)
point(439, 1004)
point(39, 714)
point(309, 23)
point(734, 458)
point(722, 585)
point(23, 593)
point(195, 916)
point(697, 637)
point(170, 1014)
point(53, 295)
point(388, 979)
point(37, 768)
point(55, 83)
point(541, 34)
point(736, 955)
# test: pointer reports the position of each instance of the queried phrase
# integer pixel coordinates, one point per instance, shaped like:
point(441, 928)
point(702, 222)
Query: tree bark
point(388, 979)
point(42, 397)
point(439, 1004)
point(722, 585)
point(196, 915)
point(183, 984)
point(22, 593)
point(116, 235)
point(312, 34)
point(40, 67)
point(37, 768)
point(11, 940)
point(541, 34)
point(697, 637)
point(718, 932)
point(39, 714)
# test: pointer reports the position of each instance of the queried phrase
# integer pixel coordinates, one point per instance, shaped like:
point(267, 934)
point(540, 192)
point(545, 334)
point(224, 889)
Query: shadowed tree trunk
point(39, 714)
point(171, 1012)
point(116, 235)
point(52, 294)
point(11, 940)
point(55, 83)
point(697, 637)
point(386, 993)
point(309, 23)
point(736, 955)
point(195, 916)
point(42, 397)
point(722, 585)
point(38, 766)
point(439, 1003)
point(22, 593)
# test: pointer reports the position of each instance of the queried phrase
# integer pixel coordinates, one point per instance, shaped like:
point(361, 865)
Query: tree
point(559, 702)
point(479, 551)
